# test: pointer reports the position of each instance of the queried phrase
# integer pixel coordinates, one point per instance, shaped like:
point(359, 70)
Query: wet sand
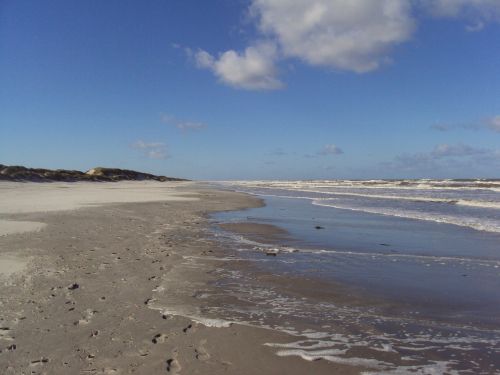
point(321, 289)
point(84, 300)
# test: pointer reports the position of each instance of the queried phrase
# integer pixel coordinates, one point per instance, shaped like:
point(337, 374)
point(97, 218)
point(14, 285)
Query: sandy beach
point(83, 266)
point(250, 187)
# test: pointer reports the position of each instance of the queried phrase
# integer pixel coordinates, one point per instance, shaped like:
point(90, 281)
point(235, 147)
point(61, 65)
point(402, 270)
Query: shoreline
point(370, 317)
point(86, 302)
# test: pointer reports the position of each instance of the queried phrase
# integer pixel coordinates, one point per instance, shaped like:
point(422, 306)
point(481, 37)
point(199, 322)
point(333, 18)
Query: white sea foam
point(217, 323)
point(458, 202)
point(261, 306)
point(434, 368)
point(336, 349)
point(424, 184)
point(413, 198)
point(207, 322)
point(476, 202)
point(471, 222)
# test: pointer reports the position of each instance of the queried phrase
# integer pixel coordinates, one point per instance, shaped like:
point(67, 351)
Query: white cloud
point(491, 123)
point(158, 154)
point(351, 35)
point(182, 124)
point(477, 12)
point(445, 160)
point(478, 26)
point(479, 9)
point(254, 69)
point(141, 145)
point(440, 152)
point(441, 127)
point(278, 152)
point(153, 150)
point(203, 59)
point(494, 123)
point(189, 125)
point(331, 149)
point(445, 150)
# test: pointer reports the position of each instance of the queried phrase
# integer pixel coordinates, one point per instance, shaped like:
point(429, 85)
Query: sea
point(397, 276)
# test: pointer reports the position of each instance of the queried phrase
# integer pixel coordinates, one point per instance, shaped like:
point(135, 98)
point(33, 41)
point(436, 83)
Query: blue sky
point(256, 89)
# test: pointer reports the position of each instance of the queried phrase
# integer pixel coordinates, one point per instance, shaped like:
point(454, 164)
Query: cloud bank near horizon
point(490, 123)
point(444, 158)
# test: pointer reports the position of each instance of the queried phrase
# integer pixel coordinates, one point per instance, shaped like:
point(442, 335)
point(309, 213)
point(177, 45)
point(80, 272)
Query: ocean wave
point(424, 184)
point(481, 204)
point(391, 194)
point(462, 202)
point(474, 223)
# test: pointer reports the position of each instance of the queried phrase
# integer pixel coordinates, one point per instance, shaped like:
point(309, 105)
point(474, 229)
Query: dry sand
point(19, 197)
point(77, 290)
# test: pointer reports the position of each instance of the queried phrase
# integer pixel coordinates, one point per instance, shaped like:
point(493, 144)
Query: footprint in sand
point(200, 352)
point(89, 313)
point(40, 361)
point(173, 365)
point(5, 334)
point(188, 328)
point(159, 338)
